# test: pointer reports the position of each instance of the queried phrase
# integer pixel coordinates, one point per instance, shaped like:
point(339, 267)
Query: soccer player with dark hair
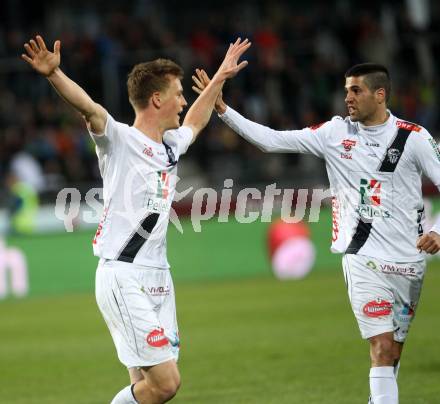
point(138, 163)
point(374, 163)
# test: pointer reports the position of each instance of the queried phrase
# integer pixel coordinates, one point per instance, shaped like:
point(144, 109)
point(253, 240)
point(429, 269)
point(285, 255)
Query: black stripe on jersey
point(138, 239)
point(388, 165)
point(360, 237)
point(394, 151)
point(420, 217)
point(171, 158)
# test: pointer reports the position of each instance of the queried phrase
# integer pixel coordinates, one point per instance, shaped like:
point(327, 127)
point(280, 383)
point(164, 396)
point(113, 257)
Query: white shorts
point(138, 305)
point(383, 295)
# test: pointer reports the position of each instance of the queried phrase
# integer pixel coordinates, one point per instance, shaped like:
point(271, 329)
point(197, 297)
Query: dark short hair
point(149, 77)
point(376, 76)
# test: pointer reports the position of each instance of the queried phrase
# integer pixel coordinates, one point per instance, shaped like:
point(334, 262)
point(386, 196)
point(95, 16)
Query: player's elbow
point(96, 119)
point(266, 148)
point(194, 129)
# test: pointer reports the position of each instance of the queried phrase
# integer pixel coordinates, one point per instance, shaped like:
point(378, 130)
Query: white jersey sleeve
point(308, 140)
point(107, 142)
point(427, 156)
point(108, 137)
point(179, 139)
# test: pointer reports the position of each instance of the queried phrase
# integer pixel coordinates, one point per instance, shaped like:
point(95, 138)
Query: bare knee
point(168, 389)
point(157, 390)
point(135, 375)
point(382, 350)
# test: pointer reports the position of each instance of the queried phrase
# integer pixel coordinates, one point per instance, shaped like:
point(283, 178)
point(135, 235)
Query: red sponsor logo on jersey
point(148, 151)
point(156, 338)
point(408, 126)
point(370, 191)
point(163, 184)
point(100, 226)
point(377, 308)
point(314, 127)
point(335, 219)
point(348, 144)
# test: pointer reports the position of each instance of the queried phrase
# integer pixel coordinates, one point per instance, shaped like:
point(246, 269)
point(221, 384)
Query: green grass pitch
point(243, 341)
point(246, 338)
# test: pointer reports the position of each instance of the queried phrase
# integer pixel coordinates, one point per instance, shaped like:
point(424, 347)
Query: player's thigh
point(371, 298)
point(168, 316)
point(130, 301)
point(407, 283)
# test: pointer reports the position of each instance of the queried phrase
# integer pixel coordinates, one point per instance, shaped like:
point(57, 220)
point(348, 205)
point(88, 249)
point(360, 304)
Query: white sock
point(383, 385)
point(396, 369)
point(125, 396)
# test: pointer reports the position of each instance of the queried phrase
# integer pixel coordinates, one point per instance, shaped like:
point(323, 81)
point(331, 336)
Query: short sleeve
point(110, 135)
point(179, 139)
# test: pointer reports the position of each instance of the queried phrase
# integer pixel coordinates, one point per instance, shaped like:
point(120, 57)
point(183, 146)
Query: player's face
point(362, 103)
point(173, 104)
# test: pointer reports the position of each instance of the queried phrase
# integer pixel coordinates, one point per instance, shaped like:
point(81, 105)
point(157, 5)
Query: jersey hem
point(395, 260)
point(146, 264)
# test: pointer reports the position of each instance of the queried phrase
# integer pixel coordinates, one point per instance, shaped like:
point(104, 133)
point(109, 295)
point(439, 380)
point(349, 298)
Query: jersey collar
point(375, 129)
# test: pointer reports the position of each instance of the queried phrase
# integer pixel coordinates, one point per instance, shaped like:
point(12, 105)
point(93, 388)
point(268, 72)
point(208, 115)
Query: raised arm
point(201, 80)
point(200, 112)
point(307, 140)
point(48, 64)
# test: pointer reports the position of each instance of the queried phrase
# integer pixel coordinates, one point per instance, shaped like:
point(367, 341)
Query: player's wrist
point(53, 73)
point(220, 108)
point(219, 78)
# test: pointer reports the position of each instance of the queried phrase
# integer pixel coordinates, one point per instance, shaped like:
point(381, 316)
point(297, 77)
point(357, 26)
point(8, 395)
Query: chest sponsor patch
point(371, 199)
point(348, 144)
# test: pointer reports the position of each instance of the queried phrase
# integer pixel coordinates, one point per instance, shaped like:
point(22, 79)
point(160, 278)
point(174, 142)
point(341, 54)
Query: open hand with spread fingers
point(230, 66)
point(201, 80)
point(430, 243)
point(42, 60)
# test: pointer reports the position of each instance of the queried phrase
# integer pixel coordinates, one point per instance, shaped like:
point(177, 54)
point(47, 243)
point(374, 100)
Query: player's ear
point(381, 95)
point(156, 99)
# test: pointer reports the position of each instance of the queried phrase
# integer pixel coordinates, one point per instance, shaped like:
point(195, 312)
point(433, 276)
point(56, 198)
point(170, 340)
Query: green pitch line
point(244, 341)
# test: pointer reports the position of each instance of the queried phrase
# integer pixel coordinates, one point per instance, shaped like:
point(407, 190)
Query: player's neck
point(377, 119)
point(149, 127)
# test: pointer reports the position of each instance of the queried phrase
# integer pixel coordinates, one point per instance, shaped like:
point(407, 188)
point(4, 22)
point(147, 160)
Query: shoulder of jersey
point(123, 125)
point(335, 119)
point(409, 126)
point(419, 131)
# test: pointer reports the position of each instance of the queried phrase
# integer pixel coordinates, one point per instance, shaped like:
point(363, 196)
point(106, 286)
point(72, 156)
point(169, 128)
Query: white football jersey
point(375, 175)
point(139, 177)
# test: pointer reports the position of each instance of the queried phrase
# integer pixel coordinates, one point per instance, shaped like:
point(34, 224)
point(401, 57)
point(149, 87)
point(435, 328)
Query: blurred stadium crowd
point(294, 78)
